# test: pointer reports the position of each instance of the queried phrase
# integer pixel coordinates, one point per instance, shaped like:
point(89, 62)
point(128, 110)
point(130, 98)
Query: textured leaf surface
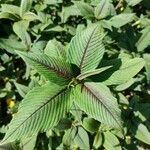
point(128, 69)
point(40, 110)
point(55, 70)
point(86, 48)
point(96, 100)
point(90, 73)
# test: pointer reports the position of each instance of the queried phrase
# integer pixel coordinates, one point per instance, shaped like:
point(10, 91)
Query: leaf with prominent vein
point(41, 109)
point(96, 100)
point(55, 70)
point(91, 73)
point(86, 48)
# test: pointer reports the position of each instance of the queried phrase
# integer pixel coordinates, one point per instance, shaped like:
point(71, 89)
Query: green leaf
point(6, 15)
point(10, 9)
point(98, 140)
point(25, 6)
point(54, 49)
point(141, 132)
point(144, 41)
point(111, 142)
point(96, 100)
point(85, 9)
point(30, 16)
point(91, 125)
point(86, 48)
point(41, 109)
point(129, 68)
point(55, 70)
point(121, 20)
point(68, 12)
point(29, 143)
point(22, 90)
point(11, 45)
point(147, 66)
point(20, 28)
point(90, 73)
point(133, 2)
point(103, 9)
point(124, 86)
point(82, 139)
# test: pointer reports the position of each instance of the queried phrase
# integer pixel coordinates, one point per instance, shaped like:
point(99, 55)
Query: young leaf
point(41, 109)
point(96, 100)
point(86, 48)
point(128, 69)
point(55, 70)
point(90, 73)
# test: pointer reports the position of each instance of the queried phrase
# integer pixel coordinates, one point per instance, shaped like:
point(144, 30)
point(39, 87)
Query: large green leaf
point(41, 109)
point(86, 48)
point(129, 68)
point(55, 70)
point(96, 100)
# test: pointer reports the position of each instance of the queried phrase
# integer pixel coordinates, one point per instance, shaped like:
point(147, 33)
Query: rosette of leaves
point(43, 107)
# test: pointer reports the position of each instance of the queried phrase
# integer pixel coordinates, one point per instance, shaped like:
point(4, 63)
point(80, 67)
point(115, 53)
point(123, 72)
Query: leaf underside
point(41, 109)
point(54, 69)
point(96, 100)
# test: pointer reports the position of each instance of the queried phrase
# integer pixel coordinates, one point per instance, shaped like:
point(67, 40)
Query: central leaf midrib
point(88, 89)
point(60, 92)
point(61, 74)
point(86, 48)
